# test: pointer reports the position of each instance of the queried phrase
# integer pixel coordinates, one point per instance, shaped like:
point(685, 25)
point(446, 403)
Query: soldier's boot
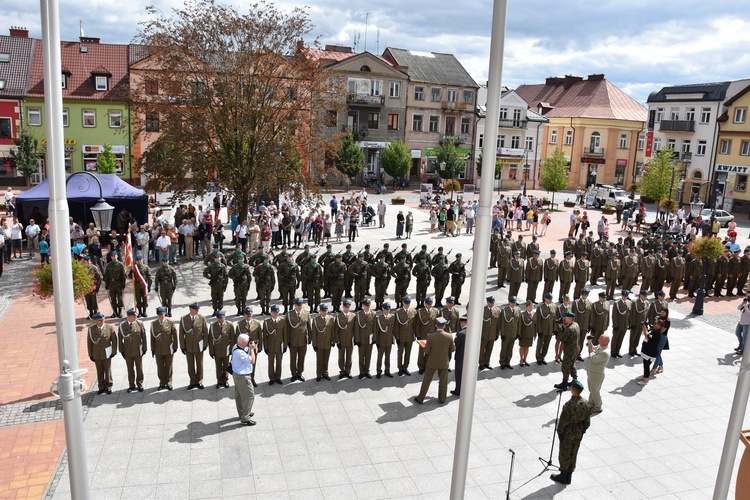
point(562, 478)
point(169, 312)
point(239, 313)
point(563, 386)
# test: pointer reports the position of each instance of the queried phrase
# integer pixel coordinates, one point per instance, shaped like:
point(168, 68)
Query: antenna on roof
point(367, 18)
point(377, 42)
point(80, 28)
point(356, 41)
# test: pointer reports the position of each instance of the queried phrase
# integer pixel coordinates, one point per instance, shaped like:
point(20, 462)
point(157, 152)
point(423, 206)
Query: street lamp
point(526, 169)
point(102, 211)
point(696, 207)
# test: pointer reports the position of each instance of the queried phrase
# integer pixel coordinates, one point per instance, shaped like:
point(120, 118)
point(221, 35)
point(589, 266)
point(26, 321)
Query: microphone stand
point(548, 462)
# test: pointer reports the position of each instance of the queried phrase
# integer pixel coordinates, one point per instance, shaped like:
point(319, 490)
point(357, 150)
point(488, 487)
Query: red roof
point(100, 59)
point(331, 56)
point(578, 98)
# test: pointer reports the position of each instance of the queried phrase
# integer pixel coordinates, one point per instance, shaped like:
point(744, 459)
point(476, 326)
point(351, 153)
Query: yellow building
point(599, 128)
point(733, 155)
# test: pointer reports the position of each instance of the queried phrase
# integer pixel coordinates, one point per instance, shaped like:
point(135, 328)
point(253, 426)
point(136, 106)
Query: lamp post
point(102, 211)
point(526, 169)
point(696, 207)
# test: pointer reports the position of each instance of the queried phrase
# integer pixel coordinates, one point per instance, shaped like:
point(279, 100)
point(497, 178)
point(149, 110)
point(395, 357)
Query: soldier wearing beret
point(438, 349)
point(457, 271)
point(385, 326)
point(509, 325)
point(274, 343)
point(101, 342)
point(568, 333)
point(565, 275)
point(490, 333)
point(364, 337)
point(574, 420)
point(163, 346)
point(166, 283)
point(516, 271)
point(404, 333)
point(343, 334)
point(599, 317)
point(253, 329)
point(424, 324)
point(221, 338)
point(321, 336)
point(298, 333)
point(133, 345)
point(193, 333)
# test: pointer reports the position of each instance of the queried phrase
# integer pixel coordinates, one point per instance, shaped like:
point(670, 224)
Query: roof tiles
point(433, 67)
point(16, 71)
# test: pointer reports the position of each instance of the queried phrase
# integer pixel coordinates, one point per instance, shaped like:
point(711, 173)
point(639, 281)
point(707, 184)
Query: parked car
point(604, 194)
point(722, 215)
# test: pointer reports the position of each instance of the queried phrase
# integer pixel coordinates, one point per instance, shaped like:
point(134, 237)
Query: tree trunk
point(241, 202)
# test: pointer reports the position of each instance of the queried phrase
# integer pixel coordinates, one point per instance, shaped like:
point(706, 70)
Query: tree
point(554, 173)
point(233, 100)
point(498, 166)
point(25, 156)
point(106, 162)
point(395, 159)
point(350, 159)
point(450, 165)
point(657, 176)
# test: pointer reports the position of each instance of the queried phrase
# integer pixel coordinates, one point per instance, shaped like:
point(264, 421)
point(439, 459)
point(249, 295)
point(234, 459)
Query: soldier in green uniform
point(274, 343)
point(288, 276)
point(504, 254)
point(440, 255)
point(321, 337)
point(382, 274)
point(551, 264)
point(612, 275)
point(402, 275)
point(404, 334)
point(575, 419)
point(298, 335)
point(166, 283)
point(92, 302)
point(424, 254)
point(221, 338)
point(439, 346)
point(531, 248)
point(457, 271)
point(241, 277)
point(569, 245)
point(324, 261)
point(677, 267)
point(386, 253)
point(343, 333)
point(282, 256)
point(722, 263)
point(656, 307)
point(630, 269)
point(312, 274)
point(385, 327)
point(648, 266)
point(357, 274)
point(599, 317)
point(527, 332)
point(638, 313)
point(533, 274)
point(509, 325)
point(211, 257)
point(133, 345)
point(622, 315)
point(442, 276)
point(163, 346)
point(581, 272)
point(364, 337)
point(661, 269)
point(193, 333)
point(545, 323)
point(421, 272)
point(404, 252)
point(580, 246)
point(565, 275)
point(519, 246)
point(258, 257)
point(218, 279)
point(424, 324)
point(451, 315)
point(335, 275)
point(370, 260)
point(568, 333)
point(516, 270)
point(744, 271)
point(114, 283)
point(265, 280)
point(495, 238)
point(253, 329)
point(348, 258)
point(598, 263)
point(101, 342)
point(301, 261)
point(490, 315)
point(582, 309)
point(237, 256)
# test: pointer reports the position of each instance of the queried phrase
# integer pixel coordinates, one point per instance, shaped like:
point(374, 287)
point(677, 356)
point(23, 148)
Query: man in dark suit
point(438, 348)
point(459, 342)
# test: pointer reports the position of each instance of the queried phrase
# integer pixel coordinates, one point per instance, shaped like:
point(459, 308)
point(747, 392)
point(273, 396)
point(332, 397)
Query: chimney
point(19, 32)
point(570, 80)
point(338, 48)
point(553, 80)
point(596, 77)
point(88, 39)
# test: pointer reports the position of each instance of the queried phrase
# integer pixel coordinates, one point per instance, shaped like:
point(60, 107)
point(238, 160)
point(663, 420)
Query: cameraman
point(598, 359)
point(743, 325)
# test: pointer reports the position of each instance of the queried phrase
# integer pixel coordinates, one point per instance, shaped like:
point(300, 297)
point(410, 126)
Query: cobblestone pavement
point(14, 275)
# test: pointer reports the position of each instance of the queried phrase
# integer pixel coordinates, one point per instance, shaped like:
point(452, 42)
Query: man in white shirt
point(253, 236)
point(240, 234)
point(9, 195)
point(16, 238)
point(163, 242)
point(32, 237)
point(381, 213)
point(91, 232)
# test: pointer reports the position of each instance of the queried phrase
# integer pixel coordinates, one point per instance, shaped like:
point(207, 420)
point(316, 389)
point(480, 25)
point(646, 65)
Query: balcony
point(453, 105)
point(593, 151)
point(686, 157)
point(374, 101)
point(512, 124)
point(677, 126)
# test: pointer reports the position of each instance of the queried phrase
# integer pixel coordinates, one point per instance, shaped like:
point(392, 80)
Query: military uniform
point(424, 324)
point(565, 275)
point(630, 269)
point(648, 266)
point(402, 275)
point(166, 283)
point(569, 337)
point(344, 336)
point(241, 277)
point(509, 325)
point(133, 345)
point(551, 265)
point(302, 260)
point(265, 281)
point(298, 333)
point(575, 419)
point(490, 334)
point(733, 271)
point(404, 333)
point(451, 315)
point(599, 319)
point(661, 269)
point(582, 272)
point(321, 336)
point(101, 342)
point(504, 254)
point(743, 272)
point(193, 334)
point(421, 272)
point(439, 346)
point(655, 308)
point(495, 238)
point(221, 338)
point(677, 267)
point(381, 271)
point(163, 346)
point(582, 309)
point(274, 343)
point(695, 270)
point(621, 318)
point(516, 268)
point(114, 282)
point(312, 274)
point(92, 301)
point(357, 274)
point(364, 336)
point(236, 257)
point(385, 328)
point(528, 329)
point(533, 275)
point(335, 275)
point(598, 263)
point(440, 273)
point(457, 271)
point(612, 276)
point(348, 258)
point(288, 276)
point(638, 312)
point(218, 279)
point(722, 264)
point(212, 256)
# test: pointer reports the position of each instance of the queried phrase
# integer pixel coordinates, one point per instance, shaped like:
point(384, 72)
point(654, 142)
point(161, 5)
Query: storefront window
point(91, 155)
point(741, 183)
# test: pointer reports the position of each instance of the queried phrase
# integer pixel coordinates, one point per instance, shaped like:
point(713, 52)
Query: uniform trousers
point(195, 367)
point(404, 354)
point(384, 352)
point(297, 359)
point(323, 355)
point(345, 359)
point(221, 363)
point(164, 368)
point(427, 380)
point(365, 356)
point(135, 370)
point(104, 373)
point(274, 365)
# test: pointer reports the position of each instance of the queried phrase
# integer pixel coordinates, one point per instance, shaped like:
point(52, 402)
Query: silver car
point(722, 215)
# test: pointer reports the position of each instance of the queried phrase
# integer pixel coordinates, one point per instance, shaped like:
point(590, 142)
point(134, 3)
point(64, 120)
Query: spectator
point(16, 238)
point(240, 234)
point(400, 220)
point(546, 219)
point(409, 224)
point(663, 342)
point(334, 204)
point(162, 245)
point(253, 236)
point(32, 237)
point(242, 361)
point(44, 248)
point(9, 201)
point(650, 348)
point(598, 359)
point(142, 238)
point(743, 325)
point(173, 244)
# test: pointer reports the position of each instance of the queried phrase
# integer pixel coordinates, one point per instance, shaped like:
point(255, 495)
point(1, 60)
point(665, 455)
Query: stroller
point(368, 216)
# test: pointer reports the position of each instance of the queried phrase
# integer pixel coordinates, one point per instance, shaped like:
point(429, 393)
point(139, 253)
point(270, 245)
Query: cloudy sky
point(639, 45)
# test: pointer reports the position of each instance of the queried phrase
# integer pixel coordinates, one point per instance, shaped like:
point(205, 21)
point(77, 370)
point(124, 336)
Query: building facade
point(519, 132)
point(600, 129)
point(732, 158)
point(440, 105)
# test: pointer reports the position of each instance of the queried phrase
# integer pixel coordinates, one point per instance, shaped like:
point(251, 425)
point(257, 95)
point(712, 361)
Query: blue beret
point(490, 299)
point(451, 300)
point(549, 295)
point(247, 310)
point(406, 299)
point(161, 310)
point(660, 293)
point(577, 384)
point(98, 316)
point(299, 302)
point(194, 305)
point(429, 300)
point(347, 303)
point(552, 252)
point(366, 302)
point(386, 305)
point(221, 314)
point(512, 299)
point(131, 312)
point(583, 292)
point(644, 293)
point(625, 292)
point(274, 308)
point(323, 307)
point(602, 294)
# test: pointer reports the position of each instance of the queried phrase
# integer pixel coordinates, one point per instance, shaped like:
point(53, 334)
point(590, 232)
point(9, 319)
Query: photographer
point(743, 325)
point(650, 347)
point(598, 359)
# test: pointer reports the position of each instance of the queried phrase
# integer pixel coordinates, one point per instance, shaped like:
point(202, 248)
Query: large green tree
point(232, 99)
point(498, 166)
point(395, 159)
point(449, 162)
point(350, 159)
point(554, 173)
point(25, 156)
point(106, 162)
point(657, 175)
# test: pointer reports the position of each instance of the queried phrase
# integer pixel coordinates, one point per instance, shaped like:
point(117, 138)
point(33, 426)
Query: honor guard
point(133, 345)
point(193, 333)
point(163, 346)
point(166, 284)
point(102, 347)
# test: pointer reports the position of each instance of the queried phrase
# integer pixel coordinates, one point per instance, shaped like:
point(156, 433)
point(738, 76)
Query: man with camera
point(598, 359)
point(743, 325)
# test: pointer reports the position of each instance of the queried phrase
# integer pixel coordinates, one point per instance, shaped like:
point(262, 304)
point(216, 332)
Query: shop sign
point(372, 144)
point(622, 162)
point(510, 152)
point(463, 153)
point(96, 149)
point(732, 168)
point(416, 153)
point(649, 144)
point(589, 159)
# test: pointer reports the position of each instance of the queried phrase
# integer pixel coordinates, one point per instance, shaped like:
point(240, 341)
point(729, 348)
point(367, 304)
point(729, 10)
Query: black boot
point(562, 385)
point(562, 478)
point(169, 312)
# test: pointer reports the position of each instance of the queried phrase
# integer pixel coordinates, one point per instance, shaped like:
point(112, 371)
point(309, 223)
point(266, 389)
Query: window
point(568, 137)
point(469, 96)
point(726, 146)
point(365, 86)
point(89, 118)
point(657, 144)
point(419, 93)
point(672, 143)
point(451, 95)
point(394, 89)
point(501, 141)
point(529, 143)
point(393, 121)
point(373, 120)
point(416, 123)
point(515, 141)
point(503, 113)
point(690, 114)
point(365, 69)
point(685, 146)
point(739, 115)
point(705, 115)
point(115, 118)
point(2, 83)
point(659, 114)
point(434, 123)
point(332, 118)
point(64, 79)
point(466, 125)
point(450, 125)
point(152, 122)
point(641, 141)
point(517, 118)
point(674, 113)
point(34, 116)
point(6, 132)
point(701, 149)
point(623, 141)
point(100, 83)
point(741, 183)
point(152, 87)
point(745, 149)
point(436, 94)
point(481, 141)
point(553, 137)
point(91, 156)
point(68, 158)
point(4, 57)
point(66, 118)
point(595, 142)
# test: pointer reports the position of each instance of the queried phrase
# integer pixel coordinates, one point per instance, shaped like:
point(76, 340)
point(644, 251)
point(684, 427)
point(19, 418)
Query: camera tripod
point(548, 462)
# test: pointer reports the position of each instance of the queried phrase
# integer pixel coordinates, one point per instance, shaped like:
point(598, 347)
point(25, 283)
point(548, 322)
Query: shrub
point(83, 281)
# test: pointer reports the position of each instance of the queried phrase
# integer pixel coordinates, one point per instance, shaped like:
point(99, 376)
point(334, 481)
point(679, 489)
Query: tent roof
point(82, 187)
